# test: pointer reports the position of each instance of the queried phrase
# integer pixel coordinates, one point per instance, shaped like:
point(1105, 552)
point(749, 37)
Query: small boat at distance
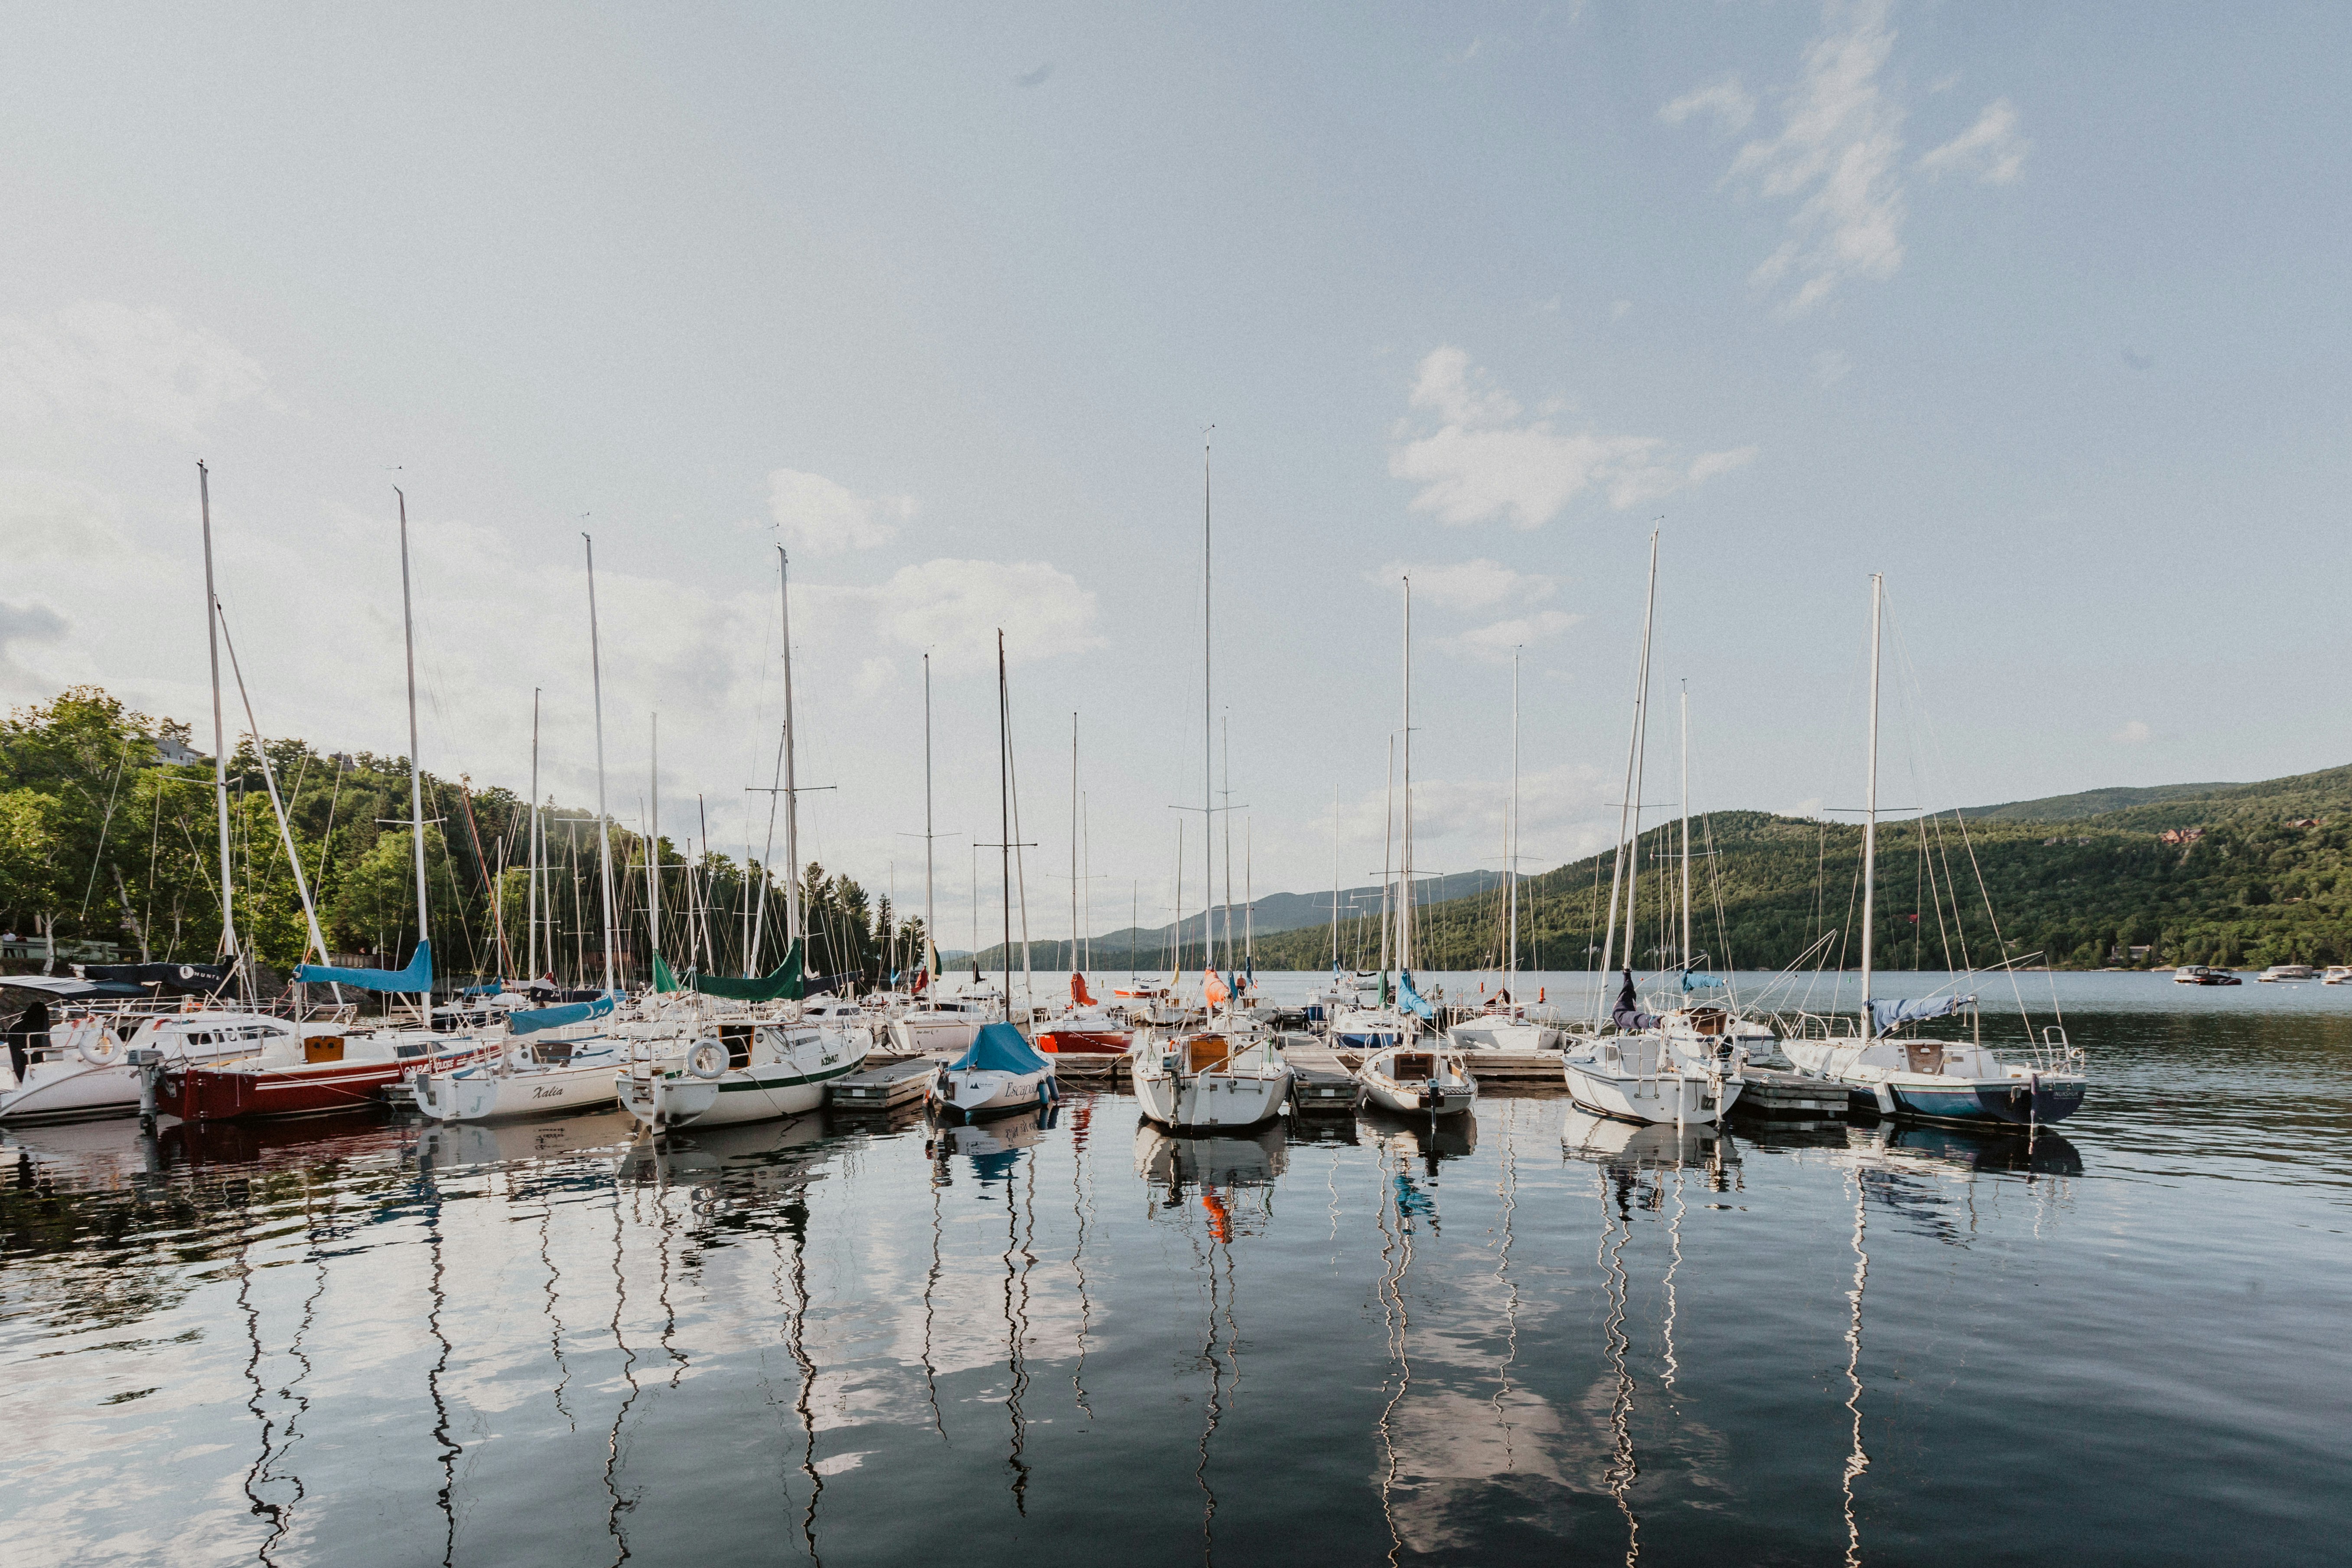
point(2287, 971)
point(2199, 974)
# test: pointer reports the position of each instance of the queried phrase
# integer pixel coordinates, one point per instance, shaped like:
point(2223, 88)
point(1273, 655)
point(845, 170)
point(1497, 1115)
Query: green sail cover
point(663, 979)
point(782, 984)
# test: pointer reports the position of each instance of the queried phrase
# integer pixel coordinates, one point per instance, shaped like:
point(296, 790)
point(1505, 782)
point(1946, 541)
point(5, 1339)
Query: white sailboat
point(1354, 1027)
point(1418, 1073)
point(1902, 1074)
point(1633, 1070)
point(1229, 1071)
point(1507, 1023)
point(999, 1073)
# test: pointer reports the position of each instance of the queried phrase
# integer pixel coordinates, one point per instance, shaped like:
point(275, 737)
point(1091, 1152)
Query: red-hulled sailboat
point(1086, 1028)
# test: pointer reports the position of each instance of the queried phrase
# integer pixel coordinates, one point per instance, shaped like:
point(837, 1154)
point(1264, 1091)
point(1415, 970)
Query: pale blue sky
point(2056, 341)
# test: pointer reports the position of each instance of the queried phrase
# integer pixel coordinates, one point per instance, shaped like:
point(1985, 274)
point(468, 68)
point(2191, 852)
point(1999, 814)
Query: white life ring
point(97, 1047)
point(708, 1059)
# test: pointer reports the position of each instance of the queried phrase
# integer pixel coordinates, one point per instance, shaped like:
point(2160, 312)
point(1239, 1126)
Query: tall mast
point(1404, 858)
point(277, 805)
point(1388, 860)
point(653, 850)
point(1629, 810)
point(1005, 814)
point(603, 823)
point(931, 947)
point(1073, 842)
point(534, 833)
point(1335, 878)
point(791, 744)
point(1869, 808)
point(1686, 901)
point(1225, 742)
point(220, 731)
point(1208, 729)
point(416, 774)
point(1511, 840)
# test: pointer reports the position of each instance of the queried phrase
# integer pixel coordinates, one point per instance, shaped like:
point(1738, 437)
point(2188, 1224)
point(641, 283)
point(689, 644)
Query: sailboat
point(1507, 1023)
point(1903, 1074)
point(1411, 1075)
point(999, 1073)
point(295, 1077)
point(86, 1068)
point(1633, 1070)
point(1353, 1026)
point(1230, 1071)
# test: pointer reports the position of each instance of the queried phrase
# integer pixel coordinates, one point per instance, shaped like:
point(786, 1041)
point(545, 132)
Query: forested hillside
point(103, 842)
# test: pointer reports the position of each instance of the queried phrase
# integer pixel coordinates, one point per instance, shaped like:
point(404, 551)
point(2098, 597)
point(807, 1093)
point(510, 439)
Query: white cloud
point(1479, 463)
point(99, 361)
point(1830, 367)
point(1730, 104)
point(1493, 644)
point(1990, 151)
point(2135, 733)
point(822, 518)
point(954, 609)
point(1479, 584)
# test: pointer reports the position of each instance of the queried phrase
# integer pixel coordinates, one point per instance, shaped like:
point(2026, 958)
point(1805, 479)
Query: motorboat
point(999, 1074)
point(2288, 972)
point(740, 1070)
point(1340, 993)
point(2199, 974)
point(1210, 1077)
point(1086, 1027)
point(2337, 974)
point(84, 1071)
point(1417, 1080)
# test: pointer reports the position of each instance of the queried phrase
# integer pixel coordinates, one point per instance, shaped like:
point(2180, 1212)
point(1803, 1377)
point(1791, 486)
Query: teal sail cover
point(532, 1021)
point(1000, 1048)
point(1412, 998)
point(417, 976)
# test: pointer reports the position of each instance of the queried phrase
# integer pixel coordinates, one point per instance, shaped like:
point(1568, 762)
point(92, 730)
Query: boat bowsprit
point(999, 1074)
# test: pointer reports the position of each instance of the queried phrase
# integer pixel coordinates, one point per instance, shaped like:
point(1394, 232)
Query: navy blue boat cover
point(1000, 1048)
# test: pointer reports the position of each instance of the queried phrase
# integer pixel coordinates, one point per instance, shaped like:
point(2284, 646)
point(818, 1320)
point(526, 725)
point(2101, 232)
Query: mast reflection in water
point(566, 1342)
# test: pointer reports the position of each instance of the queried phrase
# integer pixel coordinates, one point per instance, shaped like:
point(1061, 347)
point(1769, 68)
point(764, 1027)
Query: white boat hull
point(791, 1085)
point(481, 1094)
point(917, 1036)
point(1211, 1099)
point(1503, 1034)
point(970, 1095)
point(68, 1087)
point(1655, 1097)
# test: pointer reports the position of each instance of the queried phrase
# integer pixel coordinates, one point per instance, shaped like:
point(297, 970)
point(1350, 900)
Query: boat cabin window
point(1412, 1065)
point(736, 1037)
point(1203, 1052)
point(1708, 1020)
point(1924, 1056)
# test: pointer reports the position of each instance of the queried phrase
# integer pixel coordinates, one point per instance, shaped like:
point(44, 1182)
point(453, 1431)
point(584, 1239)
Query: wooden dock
point(887, 1081)
point(1774, 1092)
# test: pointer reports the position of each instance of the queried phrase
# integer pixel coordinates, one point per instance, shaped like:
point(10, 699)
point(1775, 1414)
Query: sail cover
point(999, 1048)
point(1412, 998)
point(1701, 982)
point(782, 984)
point(1886, 1016)
point(530, 1021)
point(1627, 1014)
point(190, 979)
point(417, 976)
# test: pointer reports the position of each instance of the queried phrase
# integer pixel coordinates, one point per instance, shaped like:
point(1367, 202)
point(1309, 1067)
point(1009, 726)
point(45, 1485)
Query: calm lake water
point(1533, 1338)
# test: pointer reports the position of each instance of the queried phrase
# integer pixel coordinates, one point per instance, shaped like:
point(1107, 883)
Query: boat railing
point(2052, 1053)
point(1818, 1027)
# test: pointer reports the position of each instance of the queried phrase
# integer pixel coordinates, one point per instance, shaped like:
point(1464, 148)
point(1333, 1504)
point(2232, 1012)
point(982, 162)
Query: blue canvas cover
point(1886, 1016)
point(1000, 1048)
point(417, 976)
point(1701, 982)
point(1412, 998)
point(537, 1019)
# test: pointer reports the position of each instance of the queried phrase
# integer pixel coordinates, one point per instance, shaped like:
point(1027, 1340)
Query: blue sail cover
point(1000, 1048)
point(1412, 998)
point(1701, 982)
point(537, 1019)
point(417, 976)
point(492, 989)
point(1886, 1016)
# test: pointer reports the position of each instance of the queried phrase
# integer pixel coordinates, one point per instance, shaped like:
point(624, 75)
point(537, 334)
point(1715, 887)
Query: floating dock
point(1771, 1091)
point(887, 1081)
